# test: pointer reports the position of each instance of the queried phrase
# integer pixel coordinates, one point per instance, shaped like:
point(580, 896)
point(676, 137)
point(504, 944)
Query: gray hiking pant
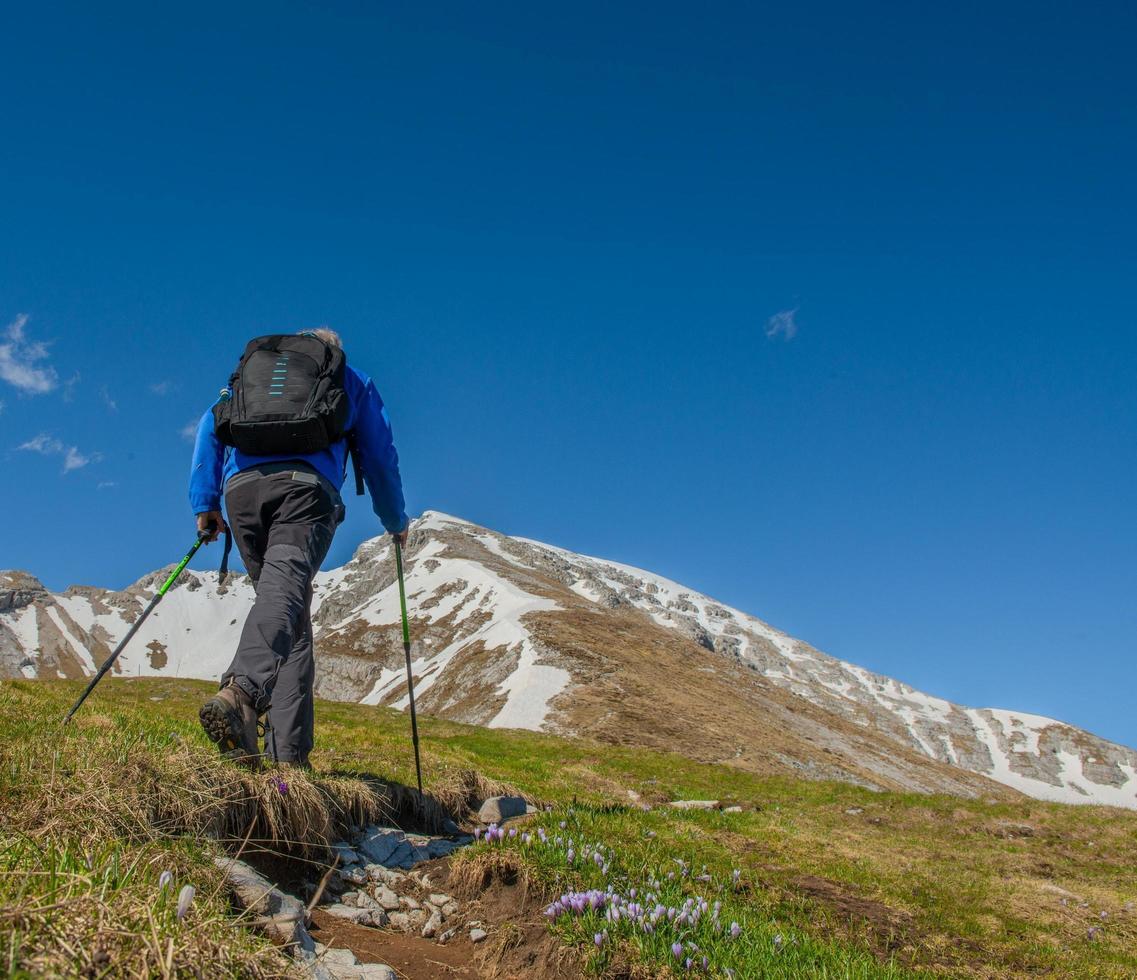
point(283, 517)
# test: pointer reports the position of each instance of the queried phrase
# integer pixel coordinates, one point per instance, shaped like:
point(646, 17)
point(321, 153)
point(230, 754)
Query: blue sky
point(826, 311)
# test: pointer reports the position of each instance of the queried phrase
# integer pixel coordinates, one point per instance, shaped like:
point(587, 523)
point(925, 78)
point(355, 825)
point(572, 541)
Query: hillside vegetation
point(822, 878)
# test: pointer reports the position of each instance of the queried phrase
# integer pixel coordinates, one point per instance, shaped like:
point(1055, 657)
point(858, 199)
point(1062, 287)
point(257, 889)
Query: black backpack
point(288, 397)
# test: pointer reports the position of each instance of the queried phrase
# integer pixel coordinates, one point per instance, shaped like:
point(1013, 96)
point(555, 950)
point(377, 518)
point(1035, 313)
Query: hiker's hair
point(327, 335)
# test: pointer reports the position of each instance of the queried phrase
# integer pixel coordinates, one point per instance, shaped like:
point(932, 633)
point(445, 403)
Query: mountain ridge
point(512, 632)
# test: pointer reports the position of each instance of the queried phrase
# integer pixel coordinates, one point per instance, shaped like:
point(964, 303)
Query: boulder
point(498, 809)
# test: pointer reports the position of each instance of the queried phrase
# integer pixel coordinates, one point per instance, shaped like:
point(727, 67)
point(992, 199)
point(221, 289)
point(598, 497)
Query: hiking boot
point(230, 720)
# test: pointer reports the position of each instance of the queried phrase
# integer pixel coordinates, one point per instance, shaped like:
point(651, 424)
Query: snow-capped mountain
point(515, 633)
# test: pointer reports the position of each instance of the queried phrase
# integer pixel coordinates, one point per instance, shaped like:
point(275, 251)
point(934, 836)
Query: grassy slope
point(908, 884)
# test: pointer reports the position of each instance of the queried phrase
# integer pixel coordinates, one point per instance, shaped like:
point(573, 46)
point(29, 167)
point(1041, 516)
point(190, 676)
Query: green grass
point(910, 885)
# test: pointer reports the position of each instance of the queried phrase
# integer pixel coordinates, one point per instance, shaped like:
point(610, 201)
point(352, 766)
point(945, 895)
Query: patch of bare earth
point(495, 894)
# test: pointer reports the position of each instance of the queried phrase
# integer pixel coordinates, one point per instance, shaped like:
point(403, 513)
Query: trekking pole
point(407, 651)
point(202, 537)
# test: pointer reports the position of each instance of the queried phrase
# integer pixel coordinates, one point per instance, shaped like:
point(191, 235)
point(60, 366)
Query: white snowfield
point(194, 632)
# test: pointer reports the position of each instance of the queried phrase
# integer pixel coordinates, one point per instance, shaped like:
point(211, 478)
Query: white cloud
point(112, 405)
point(189, 430)
point(19, 361)
point(783, 323)
point(43, 444)
point(75, 460)
point(106, 484)
point(161, 388)
point(47, 445)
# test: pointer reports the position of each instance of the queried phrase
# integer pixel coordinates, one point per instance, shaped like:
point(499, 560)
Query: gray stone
point(376, 971)
point(477, 935)
point(376, 872)
point(417, 918)
point(346, 853)
point(440, 900)
point(695, 804)
point(498, 809)
point(360, 916)
point(387, 899)
point(283, 916)
point(433, 924)
point(401, 921)
point(339, 957)
point(440, 847)
point(350, 898)
point(409, 903)
point(380, 844)
point(450, 908)
point(448, 935)
point(353, 875)
point(732, 809)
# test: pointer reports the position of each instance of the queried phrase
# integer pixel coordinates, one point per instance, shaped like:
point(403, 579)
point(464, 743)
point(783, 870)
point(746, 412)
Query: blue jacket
point(214, 463)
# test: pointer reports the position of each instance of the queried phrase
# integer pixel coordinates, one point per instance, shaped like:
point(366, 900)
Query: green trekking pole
point(407, 651)
point(202, 536)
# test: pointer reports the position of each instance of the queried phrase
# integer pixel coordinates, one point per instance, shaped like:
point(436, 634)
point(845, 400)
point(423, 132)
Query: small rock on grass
point(695, 804)
point(499, 808)
point(477, 935)
point(732, 809)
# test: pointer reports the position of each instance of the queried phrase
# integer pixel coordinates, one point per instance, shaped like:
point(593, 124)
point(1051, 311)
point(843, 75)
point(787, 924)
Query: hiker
point(277, 441)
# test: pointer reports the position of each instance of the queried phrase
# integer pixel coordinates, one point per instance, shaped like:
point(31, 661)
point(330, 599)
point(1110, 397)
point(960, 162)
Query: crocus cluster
point(649, 908)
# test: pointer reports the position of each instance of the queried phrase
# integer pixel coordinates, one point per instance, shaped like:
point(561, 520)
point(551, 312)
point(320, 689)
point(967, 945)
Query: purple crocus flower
point(164, 880)
point(477, 833)
point(677, 950)
point(598, 939)
point(185, 900)
point(735, 930)
point(571, 855)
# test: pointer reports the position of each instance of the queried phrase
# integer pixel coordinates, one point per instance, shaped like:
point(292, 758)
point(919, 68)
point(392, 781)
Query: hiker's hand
point(402, 536)
point(211, 521)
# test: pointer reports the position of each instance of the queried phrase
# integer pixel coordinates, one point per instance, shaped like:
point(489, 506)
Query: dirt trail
point(518, 944)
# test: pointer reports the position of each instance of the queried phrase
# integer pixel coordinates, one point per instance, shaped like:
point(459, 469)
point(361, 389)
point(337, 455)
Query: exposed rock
point(695, 804)
point(387, 898)
point(433, 924)
point(282, 916)
point(359, 916)
point(346, 853)
point(498, 809)
point(477, 935)
point(380, 845)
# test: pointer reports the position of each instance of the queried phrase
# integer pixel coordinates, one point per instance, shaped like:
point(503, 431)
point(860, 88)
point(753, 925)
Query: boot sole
point(222, 728)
